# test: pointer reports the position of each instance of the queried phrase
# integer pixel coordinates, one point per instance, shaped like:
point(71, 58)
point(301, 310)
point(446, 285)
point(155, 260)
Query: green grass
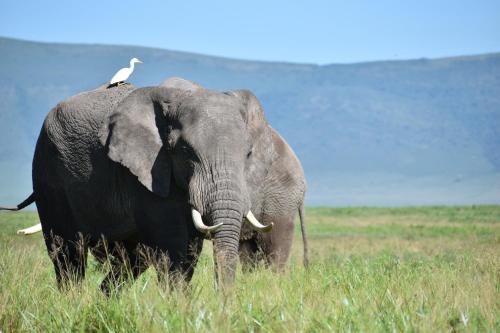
point(372, 269)
point(465, 214)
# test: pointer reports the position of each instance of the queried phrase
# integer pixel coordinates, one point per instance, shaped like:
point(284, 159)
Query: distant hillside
point(379, 133)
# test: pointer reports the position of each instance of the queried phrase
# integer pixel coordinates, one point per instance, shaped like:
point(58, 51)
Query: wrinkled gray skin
point(128, 165)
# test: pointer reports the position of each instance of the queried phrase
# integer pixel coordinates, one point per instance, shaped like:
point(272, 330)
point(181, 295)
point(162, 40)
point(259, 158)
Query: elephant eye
point(249, 153)
point(184, 148)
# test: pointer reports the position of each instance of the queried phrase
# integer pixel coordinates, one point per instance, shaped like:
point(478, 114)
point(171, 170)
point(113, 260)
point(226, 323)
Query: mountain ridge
point(284, 62)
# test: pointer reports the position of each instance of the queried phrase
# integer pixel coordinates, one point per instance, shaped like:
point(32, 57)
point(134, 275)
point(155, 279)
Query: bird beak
point(140, 62)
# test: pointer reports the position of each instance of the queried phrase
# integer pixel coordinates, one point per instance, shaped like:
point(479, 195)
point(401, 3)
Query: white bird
point(124, 73)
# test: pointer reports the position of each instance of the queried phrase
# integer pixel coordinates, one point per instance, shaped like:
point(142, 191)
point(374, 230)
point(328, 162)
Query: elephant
point(158, 170)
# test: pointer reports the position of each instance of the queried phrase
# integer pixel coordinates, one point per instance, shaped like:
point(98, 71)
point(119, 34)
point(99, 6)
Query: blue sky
point(297, 31)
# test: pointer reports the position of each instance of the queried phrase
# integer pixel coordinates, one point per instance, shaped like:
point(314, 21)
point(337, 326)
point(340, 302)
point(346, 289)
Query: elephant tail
point(23, 204)
point(28, 201)
point(304, 236)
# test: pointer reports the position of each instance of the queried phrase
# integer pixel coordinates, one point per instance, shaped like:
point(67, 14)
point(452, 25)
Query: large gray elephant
point(161, 168)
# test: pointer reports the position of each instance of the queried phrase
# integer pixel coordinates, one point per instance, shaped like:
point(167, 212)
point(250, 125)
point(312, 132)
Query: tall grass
point(367, 273)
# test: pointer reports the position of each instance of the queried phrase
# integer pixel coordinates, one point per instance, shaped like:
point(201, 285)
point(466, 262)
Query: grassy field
point(372, 269)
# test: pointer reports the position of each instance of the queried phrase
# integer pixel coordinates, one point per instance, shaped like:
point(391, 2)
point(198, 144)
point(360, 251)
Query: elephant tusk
point(200, 226)
point(256, 225)
point(31, 230)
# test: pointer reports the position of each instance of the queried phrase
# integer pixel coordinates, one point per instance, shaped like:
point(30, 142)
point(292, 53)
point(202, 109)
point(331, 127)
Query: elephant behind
point(137, 167)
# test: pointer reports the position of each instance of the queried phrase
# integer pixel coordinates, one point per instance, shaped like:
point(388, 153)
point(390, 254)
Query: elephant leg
point(101, 251)
point(127, 263)
point(168, 269)
point(69, 258)
point(66, 247)
point(173, 268)
point(278, 243)
point(164, 230)
point(194, 249)
point(249, 255)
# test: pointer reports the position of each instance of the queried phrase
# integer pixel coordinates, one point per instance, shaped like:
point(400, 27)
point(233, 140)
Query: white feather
point(124, 73)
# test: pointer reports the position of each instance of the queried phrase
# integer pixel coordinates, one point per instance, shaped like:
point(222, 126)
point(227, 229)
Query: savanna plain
point(372, 269)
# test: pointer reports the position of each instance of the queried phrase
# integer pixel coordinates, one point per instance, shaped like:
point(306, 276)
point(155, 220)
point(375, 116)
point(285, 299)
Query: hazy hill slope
point(379, 133)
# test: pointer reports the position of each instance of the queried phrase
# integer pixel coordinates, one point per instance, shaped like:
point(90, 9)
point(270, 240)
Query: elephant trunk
point(226, 242)
point(226, 208)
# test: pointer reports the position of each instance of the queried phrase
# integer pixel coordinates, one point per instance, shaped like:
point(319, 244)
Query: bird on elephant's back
point(163, 168)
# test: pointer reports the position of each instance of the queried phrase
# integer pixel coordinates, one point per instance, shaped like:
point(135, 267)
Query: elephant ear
point(252, 113)
point(260, 133)
point(134, 134)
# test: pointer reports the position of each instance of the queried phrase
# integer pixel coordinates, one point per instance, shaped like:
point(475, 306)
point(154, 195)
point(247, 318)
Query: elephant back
point(71, 127)
point(182, 84)
point(90, 107)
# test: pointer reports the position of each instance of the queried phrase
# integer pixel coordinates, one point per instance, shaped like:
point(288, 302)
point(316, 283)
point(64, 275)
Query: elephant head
point(200, 141)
